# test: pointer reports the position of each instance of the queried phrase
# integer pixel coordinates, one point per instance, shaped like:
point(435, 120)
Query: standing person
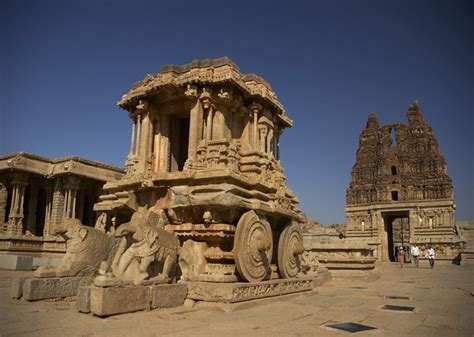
point(401, 256)
point(430, 254)
point(415, 253)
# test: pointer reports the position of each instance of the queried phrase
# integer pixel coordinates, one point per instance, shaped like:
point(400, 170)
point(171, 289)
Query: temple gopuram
point(400, 192)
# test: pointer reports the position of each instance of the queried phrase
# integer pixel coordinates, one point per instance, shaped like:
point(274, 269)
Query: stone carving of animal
point(152, 254)
point(86, 247)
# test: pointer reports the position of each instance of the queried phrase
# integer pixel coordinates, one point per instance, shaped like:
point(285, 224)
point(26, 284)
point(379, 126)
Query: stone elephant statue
point(86, 247)
point(151, 255)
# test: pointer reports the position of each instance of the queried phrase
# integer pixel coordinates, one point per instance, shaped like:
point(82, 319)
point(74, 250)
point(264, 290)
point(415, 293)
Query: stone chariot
point(204, 165)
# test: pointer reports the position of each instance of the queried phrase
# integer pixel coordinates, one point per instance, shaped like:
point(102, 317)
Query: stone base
point(355, 275)
point(118, 300)
point(16, 262)
point(467, 258)
point(83, 299)
point(238, 292)
point(33, 289)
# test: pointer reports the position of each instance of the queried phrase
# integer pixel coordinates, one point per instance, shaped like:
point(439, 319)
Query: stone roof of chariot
point(208, 71)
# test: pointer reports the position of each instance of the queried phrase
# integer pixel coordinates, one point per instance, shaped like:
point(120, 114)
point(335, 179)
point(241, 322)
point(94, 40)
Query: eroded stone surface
point(15, 262)
point(168, 295)
point(57, 287)
point(237, 292)
point(118, 300)
point(83, 299)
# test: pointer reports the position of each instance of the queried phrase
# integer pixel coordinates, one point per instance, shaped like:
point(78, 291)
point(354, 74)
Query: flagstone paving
point(442, 297)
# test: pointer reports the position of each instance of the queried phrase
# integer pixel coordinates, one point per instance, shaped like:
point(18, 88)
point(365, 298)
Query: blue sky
point(65, 64)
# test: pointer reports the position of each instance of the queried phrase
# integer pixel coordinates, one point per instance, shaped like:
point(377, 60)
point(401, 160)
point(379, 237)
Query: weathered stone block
point(118, 300)
point(17, 287)
point(168, 295)
point(55, 287)
point(15, 262)
point(45, 261)
point(83, 302)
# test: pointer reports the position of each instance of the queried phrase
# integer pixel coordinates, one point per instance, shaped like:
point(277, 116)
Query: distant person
point(430, 254)
point(401, 256)
point(415, 253)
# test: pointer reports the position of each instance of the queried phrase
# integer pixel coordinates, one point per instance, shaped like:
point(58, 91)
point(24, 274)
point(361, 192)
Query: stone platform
point(33, 288)
point(243, 291)
point(122, 299)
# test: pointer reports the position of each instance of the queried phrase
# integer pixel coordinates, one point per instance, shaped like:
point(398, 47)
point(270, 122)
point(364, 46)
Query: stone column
point(270, 143)
point(255, 129)
point(255, 108)
point(132, 141)
point(3, 204)
point(157, 140)
point(210, 118)
point(48, 208)
point(277, 146)
point(15, 219)
point(139, 128)
point(195, 130)
point(263, 138)
point(70, 199)
point(57, 203)
point(33, 203)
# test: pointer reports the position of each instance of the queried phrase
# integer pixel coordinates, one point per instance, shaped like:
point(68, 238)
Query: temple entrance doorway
point(397, 235)
point(179, 134)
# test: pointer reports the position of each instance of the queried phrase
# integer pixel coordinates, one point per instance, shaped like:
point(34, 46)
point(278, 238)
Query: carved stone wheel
point(290, 247)
point(253, 247)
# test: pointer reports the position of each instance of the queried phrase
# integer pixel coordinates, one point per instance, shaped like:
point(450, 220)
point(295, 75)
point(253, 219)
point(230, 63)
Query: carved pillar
point(255, 129)
point(263, 138)
point(3, 204)
point(48, 208)
point(255, 108)
point(132, 141)
point(277, 146)
point(270, 143)
point(157, 142)
point(195, 130)
point(33, 203)
point(15, 219)
point(57, 205)
point(139, 128)
point(209, 128)
point(70, 196)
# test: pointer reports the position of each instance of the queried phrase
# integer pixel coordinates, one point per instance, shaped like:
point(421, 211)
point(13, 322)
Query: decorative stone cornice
point(205, 72)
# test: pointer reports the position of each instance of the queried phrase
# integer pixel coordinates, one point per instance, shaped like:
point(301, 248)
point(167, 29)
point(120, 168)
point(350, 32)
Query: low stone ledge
point(355, 275)
point(118, 300)
point(467, 258)
point(56, 287)
point(106, 301)
point(168, 295)
point(237, 292)
point(16, 262)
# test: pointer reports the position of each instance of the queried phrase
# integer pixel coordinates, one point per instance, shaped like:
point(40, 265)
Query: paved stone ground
point(443, 298)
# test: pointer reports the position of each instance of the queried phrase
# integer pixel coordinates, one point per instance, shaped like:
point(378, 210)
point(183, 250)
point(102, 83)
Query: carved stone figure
point(309, 263)
point(152, 254)
point(86, 248)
